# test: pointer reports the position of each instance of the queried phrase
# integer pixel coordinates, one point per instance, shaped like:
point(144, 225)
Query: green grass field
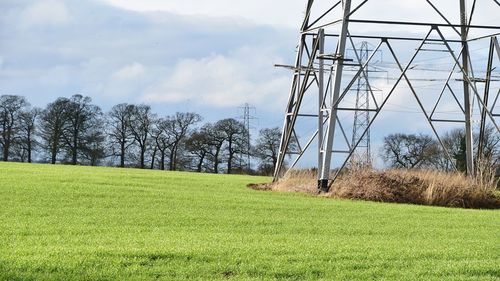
point(82, 223)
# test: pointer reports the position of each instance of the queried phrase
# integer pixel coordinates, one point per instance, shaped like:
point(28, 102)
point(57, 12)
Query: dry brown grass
point(402, 186)
point(298, 181)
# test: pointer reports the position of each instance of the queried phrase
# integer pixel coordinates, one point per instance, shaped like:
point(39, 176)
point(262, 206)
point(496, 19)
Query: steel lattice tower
point(362, 154)
point(247, 117)
point(322, 65)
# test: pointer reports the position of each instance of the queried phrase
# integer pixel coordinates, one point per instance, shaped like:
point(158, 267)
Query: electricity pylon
point(362, 154)
point(320, 71)
point(247, 118)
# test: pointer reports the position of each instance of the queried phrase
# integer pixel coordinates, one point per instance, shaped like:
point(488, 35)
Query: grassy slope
point(80, 223)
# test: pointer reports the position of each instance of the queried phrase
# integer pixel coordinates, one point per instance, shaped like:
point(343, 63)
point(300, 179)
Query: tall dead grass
point(298, 181)
point(403, 186)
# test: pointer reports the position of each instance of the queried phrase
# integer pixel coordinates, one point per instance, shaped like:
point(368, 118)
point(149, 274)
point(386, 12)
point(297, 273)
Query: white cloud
point(276, 12)
point(114, 56)
point(290, 13)
point(46, 12)
point(59, 75)
point(224, 81)
point(129, 72)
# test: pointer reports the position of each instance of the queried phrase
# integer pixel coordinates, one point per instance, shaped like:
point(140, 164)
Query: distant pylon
point(247, 117)
point(362, 153)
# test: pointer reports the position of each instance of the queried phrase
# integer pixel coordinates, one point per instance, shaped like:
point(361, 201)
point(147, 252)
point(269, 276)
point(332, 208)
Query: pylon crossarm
point(400, 38)
point(381, 22)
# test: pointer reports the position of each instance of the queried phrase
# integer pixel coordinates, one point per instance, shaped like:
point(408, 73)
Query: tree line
point(76, 131)
point(421, 151)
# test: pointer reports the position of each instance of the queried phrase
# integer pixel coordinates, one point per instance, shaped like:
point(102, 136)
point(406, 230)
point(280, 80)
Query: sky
point(209, 57)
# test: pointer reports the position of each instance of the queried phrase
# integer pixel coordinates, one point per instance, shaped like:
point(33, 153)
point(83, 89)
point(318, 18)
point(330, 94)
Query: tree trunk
point(231, 156)
point(29, 148)
point(6, 147)
point(73, 156)
point(54, 155)
point(162, 160)
point(175, 159)
point(93, 161)
point(230, 163)
point(143, 152)
point(6, 152)
point(74, 149)
point(200, 163)
point(171, 159)
point(23, 155)
point(153, 158)
point(53, 152)
point(216, 161)
point(122, 154)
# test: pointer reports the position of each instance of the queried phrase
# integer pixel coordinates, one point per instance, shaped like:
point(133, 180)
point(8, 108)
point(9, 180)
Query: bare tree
point(410, 151)
point(119, 130)
point(491, 145)
point(153, 148)
point(53, 123)
point(215, 138)
point(141, 123)
point(11, 107)
point(162, 139)
point(198, 144)
point(81, 115)
point(454, 141)
point(234, 133)
point(93, 142)
point(178, 127)
point(267, 148)
point(28, 122)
